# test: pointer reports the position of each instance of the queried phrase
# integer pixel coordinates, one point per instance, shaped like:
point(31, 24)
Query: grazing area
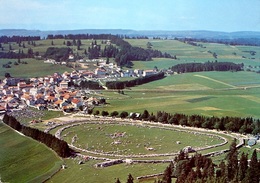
point(204, 93)
point(23, 159)
point(123, 139)
point(126, 139)
point(33, 68)
point(87, 173)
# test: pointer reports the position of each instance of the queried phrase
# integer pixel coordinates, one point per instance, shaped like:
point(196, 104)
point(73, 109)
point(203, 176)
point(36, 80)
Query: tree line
point(233, 124)
point(233, 42)
point(59, 146)
point(18, 39)
point(20, 55)
point(138, 81)
point(207, 66)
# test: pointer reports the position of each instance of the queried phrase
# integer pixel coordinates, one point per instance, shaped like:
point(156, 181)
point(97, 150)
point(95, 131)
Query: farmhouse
point(149, 72)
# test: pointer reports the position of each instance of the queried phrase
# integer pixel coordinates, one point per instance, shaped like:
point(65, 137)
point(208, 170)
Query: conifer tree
point(253, 174)
point(117, 180)
point(167, 175)
point(243, 165)
point(232, 161)
point(130, 179)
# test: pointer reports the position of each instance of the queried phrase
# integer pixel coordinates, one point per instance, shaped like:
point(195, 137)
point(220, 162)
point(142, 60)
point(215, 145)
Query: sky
point(173, 15)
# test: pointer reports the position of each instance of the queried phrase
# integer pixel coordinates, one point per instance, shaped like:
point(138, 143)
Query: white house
point(149, 72)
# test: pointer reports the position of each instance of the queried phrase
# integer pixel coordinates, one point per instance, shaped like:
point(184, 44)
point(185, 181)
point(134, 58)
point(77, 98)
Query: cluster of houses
point(107, 70)
point(50, 92)
point(54, 93)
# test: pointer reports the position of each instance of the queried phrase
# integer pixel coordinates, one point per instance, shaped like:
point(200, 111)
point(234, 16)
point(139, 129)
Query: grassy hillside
point(23, 159)
point(34, 68)
point(188, 53)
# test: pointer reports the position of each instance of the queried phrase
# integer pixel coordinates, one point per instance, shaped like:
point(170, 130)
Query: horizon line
point(148, 30)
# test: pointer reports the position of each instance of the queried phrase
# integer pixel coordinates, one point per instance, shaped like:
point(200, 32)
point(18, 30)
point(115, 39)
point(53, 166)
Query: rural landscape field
point(104, 134)
point(129, 91)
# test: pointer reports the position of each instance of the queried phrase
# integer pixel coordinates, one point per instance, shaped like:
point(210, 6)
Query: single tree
point(167, 175)
point(232, 161)
point(78, 44)
point(7, 75)
point(117, 180)
point(130, 179)
point(96, 112)
point(243, 165)
point(253, 173)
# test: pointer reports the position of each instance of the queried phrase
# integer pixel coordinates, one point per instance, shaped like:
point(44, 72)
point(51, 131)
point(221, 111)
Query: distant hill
point(152, 33)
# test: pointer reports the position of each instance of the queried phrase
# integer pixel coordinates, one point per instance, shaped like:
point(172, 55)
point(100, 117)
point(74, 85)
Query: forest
point(199, 169)
point(131, 83)
point(207, 66)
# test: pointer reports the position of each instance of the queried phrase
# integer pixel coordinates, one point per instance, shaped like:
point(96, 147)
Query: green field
point(34, 68)
point(96, 137)
point(87, 173)
point(188, 53)
point(135, 139)
point(205, 93)
point(23, 159)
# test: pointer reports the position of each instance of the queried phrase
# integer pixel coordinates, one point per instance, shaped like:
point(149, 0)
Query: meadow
point(206, 93)
point(36, 67)
point(187, 53)
point(127, 139)
point(97, 137)
point(25, 160)
point(87, 173)
point(33, 68)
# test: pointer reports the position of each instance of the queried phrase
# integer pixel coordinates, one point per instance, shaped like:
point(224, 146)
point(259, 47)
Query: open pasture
point(249, 55)
point(42, 45)
point(205, 93)
point(34, 68)
point(23, 159)
point(123, 139)
point(87, 173)
point(137, 138)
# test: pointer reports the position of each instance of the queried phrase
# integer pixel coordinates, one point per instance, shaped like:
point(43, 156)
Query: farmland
point(207, 93)
point(188, 53)
point(20, 158)
point(204, 93)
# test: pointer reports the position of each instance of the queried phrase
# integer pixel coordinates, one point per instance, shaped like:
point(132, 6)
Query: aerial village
point(54, 93)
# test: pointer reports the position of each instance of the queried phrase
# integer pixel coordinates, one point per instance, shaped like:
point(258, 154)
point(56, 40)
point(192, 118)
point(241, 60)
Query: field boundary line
point(221, 82)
